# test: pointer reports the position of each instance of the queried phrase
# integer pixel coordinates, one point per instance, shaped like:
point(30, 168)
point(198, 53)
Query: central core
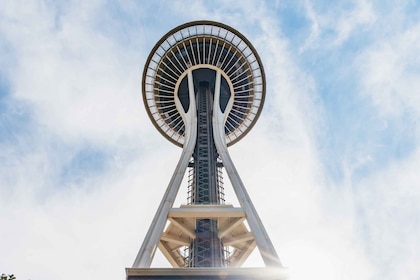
point(206, 250)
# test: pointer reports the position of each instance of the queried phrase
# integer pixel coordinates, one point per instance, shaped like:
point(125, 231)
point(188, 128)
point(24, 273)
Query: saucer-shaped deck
point(203, 47)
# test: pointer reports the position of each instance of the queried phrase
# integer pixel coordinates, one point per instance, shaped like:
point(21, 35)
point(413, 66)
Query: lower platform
point(209, 273)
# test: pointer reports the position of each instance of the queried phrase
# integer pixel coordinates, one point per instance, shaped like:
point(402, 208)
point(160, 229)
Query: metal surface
point(206, 250)
point(267, 251)
point(204, 88)
point(207, 273)
point(203, 44)
point(146, 253)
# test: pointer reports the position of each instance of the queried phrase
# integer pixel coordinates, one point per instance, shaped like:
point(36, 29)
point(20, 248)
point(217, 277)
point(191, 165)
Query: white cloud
point(82, 86)
point(389, 72)
point(388, 204)
point(332, 26)
point(79, 82)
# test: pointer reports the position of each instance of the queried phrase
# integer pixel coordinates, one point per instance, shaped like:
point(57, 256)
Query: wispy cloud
point(83, 169)
point(333, 23)
point(389, 72)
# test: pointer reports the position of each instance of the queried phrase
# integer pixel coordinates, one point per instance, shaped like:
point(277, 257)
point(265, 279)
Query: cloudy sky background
point(333, 165)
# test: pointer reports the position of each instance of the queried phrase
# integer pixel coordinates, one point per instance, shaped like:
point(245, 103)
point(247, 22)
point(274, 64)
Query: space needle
point(204, 89)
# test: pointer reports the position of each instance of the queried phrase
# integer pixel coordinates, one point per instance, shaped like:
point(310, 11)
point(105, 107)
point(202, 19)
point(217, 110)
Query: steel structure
point(203, 89)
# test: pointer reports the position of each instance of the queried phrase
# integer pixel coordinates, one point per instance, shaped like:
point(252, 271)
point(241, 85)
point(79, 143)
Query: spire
point(204, 88)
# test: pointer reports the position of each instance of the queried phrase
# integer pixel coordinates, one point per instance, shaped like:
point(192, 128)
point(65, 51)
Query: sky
point(332, 165)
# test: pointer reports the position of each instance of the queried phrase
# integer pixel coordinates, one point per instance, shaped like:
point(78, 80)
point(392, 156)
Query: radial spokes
point(200, 45)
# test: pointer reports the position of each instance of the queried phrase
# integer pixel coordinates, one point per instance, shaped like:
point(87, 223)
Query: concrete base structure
point(209, 273)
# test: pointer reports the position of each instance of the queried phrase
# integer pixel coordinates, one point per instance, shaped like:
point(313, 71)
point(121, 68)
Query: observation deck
point(204, 88)
point(203, 47)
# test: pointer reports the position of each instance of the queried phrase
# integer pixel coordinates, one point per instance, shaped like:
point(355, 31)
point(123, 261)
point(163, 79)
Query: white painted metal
point(173, 56)
point(146, 253)
point(236, 222)
point(206, 211)
point(173, 230)
point(182, 220)
point(181, 226)
point(266, 248)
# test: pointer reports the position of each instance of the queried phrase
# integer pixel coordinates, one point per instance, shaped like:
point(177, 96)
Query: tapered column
point(267, 251)
point(147, 251)
point(204, 89)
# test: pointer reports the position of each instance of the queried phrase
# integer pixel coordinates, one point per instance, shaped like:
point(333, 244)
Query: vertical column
point(148, 248)
point(206, 250)
point(266, 248)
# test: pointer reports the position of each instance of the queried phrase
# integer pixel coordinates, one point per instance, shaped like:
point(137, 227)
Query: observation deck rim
point(190, 24)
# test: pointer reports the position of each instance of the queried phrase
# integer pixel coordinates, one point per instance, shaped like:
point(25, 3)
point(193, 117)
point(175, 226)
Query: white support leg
point(146, 253)
point(266, 248)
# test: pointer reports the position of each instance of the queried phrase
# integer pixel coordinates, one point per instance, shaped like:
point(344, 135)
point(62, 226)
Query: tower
point(204, 88)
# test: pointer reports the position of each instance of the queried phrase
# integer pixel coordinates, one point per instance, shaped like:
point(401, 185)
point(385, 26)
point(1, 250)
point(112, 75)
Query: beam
point(231, 226)
point(182, 227)
point(243, 255)
point(175, 239)
point(206, 212)
point(151, 241)
point(238, 239)
point(168, 254)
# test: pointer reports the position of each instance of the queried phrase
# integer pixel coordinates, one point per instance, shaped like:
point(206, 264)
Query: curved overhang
point(203, 45)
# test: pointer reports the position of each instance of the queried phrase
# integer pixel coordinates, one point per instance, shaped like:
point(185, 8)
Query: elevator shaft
point(206, 249)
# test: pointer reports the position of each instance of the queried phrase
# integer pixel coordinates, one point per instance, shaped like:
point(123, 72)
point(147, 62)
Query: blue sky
point(332, 164)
